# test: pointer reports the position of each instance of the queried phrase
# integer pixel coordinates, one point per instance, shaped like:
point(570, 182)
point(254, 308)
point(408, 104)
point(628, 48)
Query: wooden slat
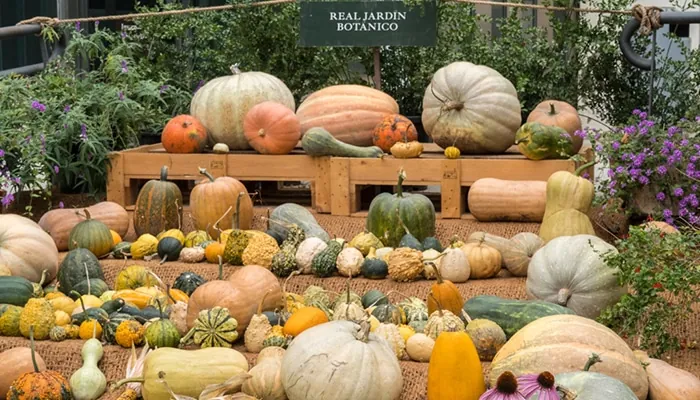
point(451, 189)
point(258, 167)
point(116, 190)
point(321, 186)
point(342, 192)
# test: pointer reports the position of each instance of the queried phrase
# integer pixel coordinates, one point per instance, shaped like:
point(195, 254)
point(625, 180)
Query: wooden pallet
point(335, 181)
point(145, 162)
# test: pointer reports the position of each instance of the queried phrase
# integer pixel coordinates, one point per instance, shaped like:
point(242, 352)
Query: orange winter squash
point(184, 134)
point(392, 129)
point(561, 114)
point(348, 112)
point(272, 128)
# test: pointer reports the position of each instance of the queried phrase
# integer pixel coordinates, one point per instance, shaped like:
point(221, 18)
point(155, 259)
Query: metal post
point(377, 69)
point(651, 73)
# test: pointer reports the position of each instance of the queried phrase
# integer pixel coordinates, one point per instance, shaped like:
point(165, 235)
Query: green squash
point(318, 142)
point(293, 214)
point(169, 249)
point(162, 332)
point(414, 308)
point(109, 328)
point(113, 306)
point(388, 314)
point(196, 238)
point(284, 262)
point(511, 315)
point(323, 265)
point(96, 313)
point(158, 206)
point(418, 325)
point(93, 286)
point(91, 234)
point(374, 297)
point(374, 267)
point(540, 142)
point(213, 328)
point(75, 268)
point(15, 290)
point(432, 242)
point(188, 282)
point(121, 250)
point(415, 210)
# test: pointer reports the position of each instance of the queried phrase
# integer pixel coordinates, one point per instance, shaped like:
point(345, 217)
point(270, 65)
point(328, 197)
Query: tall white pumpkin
point(222, 103)
point(471, 107)
point(341, 360)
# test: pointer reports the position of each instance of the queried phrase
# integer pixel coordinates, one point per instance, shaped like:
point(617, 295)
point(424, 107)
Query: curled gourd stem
point(80, 299)
point(32, 348)
point(439, 310)
point(216, 224)
point(583, 167)
point(438, 275)
point(262, 301)
point(592, 360)
point(284, 288)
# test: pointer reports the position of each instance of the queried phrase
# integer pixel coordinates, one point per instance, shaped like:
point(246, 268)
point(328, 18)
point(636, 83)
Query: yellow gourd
point(90, 329)
point(39, 314)
point(257, 329)
point(173, 233)
point(303, 319)
point(88, 382)
point(406, 332)
point(61, 318)
point(64, 303)
point(144, 246)
point(455, 371)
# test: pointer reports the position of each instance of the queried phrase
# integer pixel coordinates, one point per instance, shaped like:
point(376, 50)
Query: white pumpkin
point(471, 107)
point(419, 347)
point(266, 381)
point(454, 265)
point(307, 251)
point(349, 262)
point(222, 103)
point(570, 271)
point(429, 256)
point(26, 249)
point(341, 360)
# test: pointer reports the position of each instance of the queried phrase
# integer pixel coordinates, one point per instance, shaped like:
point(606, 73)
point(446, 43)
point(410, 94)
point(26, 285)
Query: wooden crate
point(145, 162)
point(432, 168)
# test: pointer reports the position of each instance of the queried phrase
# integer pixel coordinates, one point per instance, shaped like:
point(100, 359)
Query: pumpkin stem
point(261, 132)
point(434, 258)
point(206, 173)
point(284, 288)
point(439, 310)
point(454, 105)
point(592, 360)
point(565, 393)
point(31, 346)
point(399, 185)
point(128, 380)
point(438, 275)
point(87, 278)
point(216, 224)
point(363, 333)
point(552, 110)
point(221, 268)
point(237, 215)
point(563, 296)
point(160, 309)
point(582, 168)
point(234, 69)
point(80, 299)
point(522, 140)
point(179, 215)
point(43, 278)
point(87, 214)
point(163, 174)
point(187, 337)
point(260, 305)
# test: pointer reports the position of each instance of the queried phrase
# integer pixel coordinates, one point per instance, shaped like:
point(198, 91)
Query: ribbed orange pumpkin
point(349, 112)
point(272, 128)
point(392, 129)
point(561, 114)
point(455, 370)
point(184, 134)
point(211, 198)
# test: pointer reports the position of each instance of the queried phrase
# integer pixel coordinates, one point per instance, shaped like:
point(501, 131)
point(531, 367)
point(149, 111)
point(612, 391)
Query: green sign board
point(367, 23)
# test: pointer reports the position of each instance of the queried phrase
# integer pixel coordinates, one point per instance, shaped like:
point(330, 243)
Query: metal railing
point(8, 32)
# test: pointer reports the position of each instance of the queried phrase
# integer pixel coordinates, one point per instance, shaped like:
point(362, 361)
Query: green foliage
point(662, 272)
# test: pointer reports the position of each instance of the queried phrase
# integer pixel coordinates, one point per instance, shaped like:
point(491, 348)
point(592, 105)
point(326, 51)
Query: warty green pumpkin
point(415, 210)
point(237, 240)
point(91, 234)
point(158, 206)
point(213, 328)
point(188, 282)
point(323, 264)
point(284, 262)
point(537, 141)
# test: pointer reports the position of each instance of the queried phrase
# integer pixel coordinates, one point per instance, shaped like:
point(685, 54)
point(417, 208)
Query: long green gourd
point(88, 382)
point(318, 142)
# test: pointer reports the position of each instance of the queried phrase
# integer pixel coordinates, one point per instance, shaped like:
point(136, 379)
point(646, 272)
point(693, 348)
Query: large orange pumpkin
point(348, 112)
point(211, 198)
point(561, 114)
point(393, 129)
point(272, 128)
point(184, 134)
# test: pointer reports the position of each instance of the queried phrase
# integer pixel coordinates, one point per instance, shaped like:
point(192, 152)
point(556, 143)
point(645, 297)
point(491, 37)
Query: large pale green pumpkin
point(222, 103)
point(471, 107)
point(417, 213)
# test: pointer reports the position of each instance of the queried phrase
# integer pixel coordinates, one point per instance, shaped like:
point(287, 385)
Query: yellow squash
point(455, 371)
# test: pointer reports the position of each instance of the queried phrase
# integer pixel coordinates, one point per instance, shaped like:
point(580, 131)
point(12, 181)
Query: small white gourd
point(349, 262)
point(419, 347)
point(88, 382)
point(383, 252)
point(307, 251)
point(454, 265)
point(220, 148)
point(192, 254)
point(430, 255)
point(266, 380)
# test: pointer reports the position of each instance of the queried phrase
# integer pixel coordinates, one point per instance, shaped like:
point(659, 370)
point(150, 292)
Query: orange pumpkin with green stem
point(272, 128)
point(184, 134)
point(446, 293)
point(392, 129)
point(561, 114)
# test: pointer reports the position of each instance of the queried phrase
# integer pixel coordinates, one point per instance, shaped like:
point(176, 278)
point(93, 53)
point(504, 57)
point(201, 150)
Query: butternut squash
point(497, 200)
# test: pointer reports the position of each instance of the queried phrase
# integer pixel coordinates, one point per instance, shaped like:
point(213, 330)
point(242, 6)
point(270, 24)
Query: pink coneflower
point(506, 389)
point(541, 385)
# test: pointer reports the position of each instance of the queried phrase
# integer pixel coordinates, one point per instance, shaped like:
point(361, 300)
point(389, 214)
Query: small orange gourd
point(303, 319)
point(45, 385)
point(392, 129)
point(446, 293)
point(214, 251)
point(454, 371)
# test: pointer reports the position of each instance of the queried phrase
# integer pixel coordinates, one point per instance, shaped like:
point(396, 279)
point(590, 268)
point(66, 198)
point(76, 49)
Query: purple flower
point(684, 142)
point(77, 26)
point(66, 108)
point(636, 111)
point(506, 389)
point(163, 89)
point(620, 170)
point(672, 131)
point(2, 153)
point(120, 95)
point(616, 145)
point(639, 160)
point(668, 214)
point(125, 68)
point(697, 118)
point(55, 169)
point(678, 192)
point(612, 184)
point(541, 385)
point(643, 180)
point(123, 34)
point(661, 196)
point(599, 147)
point(635, 172)
point(17, 180)
point(38, 106)
point(694, 219)
point(60, 204)
point(694, 188)
point(642, 115)
point(585, 175)
point(83, 133)
point(683, 212)
point(630, 130)
point(8, 199)
point(661, 170)
point(580, 133)
point(97, 24)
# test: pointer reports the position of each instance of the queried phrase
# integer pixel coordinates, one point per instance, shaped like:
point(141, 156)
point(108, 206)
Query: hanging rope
point(648, 17)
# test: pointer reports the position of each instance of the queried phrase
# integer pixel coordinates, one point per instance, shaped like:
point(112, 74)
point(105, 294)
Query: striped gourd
point(91, 234)
point(158, 206)
point(213, 328)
